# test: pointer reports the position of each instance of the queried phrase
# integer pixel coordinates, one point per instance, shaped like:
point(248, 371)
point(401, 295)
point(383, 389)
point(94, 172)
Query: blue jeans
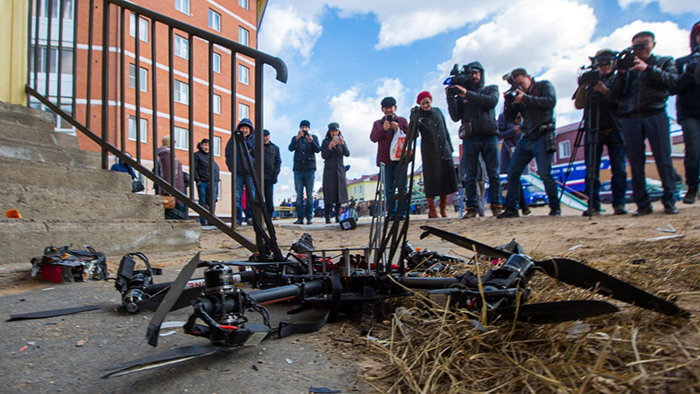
point(390, 172)
point(525, 151)
point(691, 139)
point(618, 183)
point(657, 130)
point(487, 146)
point(240, 182)
point(203, 191)
point(304, 180)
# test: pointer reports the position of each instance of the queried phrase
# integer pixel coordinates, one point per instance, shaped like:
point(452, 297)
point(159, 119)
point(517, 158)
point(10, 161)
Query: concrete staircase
point(65, 198)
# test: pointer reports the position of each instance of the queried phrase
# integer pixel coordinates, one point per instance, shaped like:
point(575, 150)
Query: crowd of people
point(623, 99)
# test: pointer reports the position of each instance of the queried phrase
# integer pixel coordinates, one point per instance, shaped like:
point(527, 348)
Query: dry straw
point(428, 348)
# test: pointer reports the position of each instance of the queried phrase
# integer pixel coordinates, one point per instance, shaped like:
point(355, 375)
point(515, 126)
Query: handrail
point(113, 85)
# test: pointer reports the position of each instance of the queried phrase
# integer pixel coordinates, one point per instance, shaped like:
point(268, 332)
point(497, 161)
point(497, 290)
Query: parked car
point(654, 189)
point(534, 197)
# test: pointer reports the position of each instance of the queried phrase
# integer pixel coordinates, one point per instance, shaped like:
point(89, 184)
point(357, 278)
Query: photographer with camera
point(688, 112)
point(305, 146)
point(602, 128)
point(383, 133)
point(535, 101)
point(641, 87)
point(472, 104)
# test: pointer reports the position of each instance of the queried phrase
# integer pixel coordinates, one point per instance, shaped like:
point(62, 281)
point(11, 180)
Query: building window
point(214, 20)
point(243, 4)
point(216, 63)
point(143, 27)
point(182, 47)
point(216, 104)
point(43, 9)
point(243, 74)
point(360, 189)
point(564, 149)
point(183, 6)
point(216, 146)
point(243, 111)
point(182, 138)
point(243, 36)
point(143, 132)
point(143, 78)
point(182, 92)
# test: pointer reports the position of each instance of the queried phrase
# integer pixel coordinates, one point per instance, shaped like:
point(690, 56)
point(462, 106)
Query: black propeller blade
point(170, 299)
point(556, 312)
point(574, 273)
point(159, 360)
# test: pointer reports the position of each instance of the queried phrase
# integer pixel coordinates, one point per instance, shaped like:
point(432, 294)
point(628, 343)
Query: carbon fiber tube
point(286, 292)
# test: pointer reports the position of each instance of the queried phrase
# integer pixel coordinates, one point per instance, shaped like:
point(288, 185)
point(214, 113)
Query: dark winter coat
point(687, 89)
point(304, 153)
point(478, 107)
point(645, 93)
point(201, 166)
point(249, 146)
point(436, 148)
point(120, 166)
point(383, 138)
point(536, 108)
point(510, 137)
point(165, 169)
point(335, 186)
point(273, 162)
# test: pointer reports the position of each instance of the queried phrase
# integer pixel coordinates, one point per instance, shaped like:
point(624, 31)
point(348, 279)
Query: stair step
point(21, 150)
point(18, 131)
point(113, 237)
point(27, 116)
point(35, 202)
point(32, 173)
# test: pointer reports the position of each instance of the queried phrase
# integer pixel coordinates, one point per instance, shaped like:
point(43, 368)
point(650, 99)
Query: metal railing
point(70, 73)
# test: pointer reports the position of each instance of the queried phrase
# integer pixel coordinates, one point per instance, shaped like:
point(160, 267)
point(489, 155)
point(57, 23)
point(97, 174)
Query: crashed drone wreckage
point(352, 280)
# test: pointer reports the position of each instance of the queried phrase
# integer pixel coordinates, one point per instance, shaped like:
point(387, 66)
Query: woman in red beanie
point(436, 149)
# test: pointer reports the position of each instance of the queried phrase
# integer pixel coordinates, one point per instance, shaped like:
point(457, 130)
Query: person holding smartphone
point(335, 190)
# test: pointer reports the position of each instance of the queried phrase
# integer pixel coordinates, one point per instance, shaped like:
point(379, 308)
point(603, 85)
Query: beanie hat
point(423, 95)
point(305, 123)
point(388, 102)
point(333, 126)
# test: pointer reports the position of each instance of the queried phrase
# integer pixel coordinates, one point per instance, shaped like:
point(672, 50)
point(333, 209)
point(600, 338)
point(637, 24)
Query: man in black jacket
point(474, 107)
point(202, 178)
point(305, 146)
point(535, 101)
point(642, 92)
point(688, 113)
point(273, 164)
point(245, 127)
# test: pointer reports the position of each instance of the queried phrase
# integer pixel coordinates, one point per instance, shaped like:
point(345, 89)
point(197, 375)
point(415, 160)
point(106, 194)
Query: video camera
point(461, 77)
point(511, 93)
point(625, 58)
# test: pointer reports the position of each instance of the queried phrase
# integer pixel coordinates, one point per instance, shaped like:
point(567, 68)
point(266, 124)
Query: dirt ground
point(44, 355)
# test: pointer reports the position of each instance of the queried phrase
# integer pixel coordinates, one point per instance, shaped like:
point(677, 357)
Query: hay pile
point(427, 348)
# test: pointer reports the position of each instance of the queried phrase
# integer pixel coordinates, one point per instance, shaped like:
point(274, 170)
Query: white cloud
point(671, 6)
point(286, 32)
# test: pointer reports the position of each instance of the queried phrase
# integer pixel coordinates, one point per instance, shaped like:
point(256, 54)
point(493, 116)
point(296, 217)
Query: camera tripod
point(590, 125)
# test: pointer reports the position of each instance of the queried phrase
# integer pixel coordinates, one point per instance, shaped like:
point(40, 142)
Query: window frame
point(182, 2)
point(182, 47)
point(216, 63)
point(181, 143)
point(245, 4)
point(216, 107)
point(143, 30)
point(217, 20)
point(241, 107)
point(143, 79)
point(131, 126)
point(184, 96)
point(216, 146)
point(564, 149)
point(241, 73)
point(243, 33)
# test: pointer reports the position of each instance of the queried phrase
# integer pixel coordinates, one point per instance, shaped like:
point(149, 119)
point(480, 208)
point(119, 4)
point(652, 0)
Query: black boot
point(691, 195)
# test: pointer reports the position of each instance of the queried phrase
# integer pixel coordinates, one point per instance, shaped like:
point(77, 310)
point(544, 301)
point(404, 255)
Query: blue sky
point(344, 56)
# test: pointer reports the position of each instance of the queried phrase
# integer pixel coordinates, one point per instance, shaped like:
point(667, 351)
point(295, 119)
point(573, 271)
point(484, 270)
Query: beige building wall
point(13, 50)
